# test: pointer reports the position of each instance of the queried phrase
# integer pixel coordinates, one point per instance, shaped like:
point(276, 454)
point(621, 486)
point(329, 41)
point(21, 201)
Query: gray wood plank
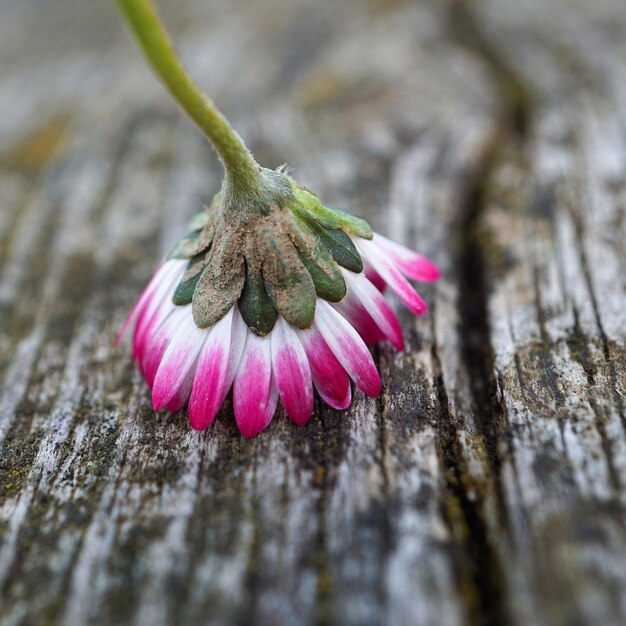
point(486, 485)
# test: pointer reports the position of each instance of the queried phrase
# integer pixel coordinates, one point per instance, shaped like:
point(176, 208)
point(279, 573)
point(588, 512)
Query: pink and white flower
point(184, 364)
point(271, 293)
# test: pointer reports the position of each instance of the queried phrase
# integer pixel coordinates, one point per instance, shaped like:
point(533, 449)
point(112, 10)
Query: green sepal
point(342, 249)
point(201, 219)
point(331, 287)
point(331, 218)
point(200, 231)
point(195, 242)
point(316, 257)
point(198, 221)
point(220, 285)
point(184, 292)
point(256, 307)
point(186, 246)
point(290, 286)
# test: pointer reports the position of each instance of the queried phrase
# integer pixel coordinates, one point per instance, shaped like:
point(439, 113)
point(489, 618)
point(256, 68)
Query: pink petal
point(157, 306)
point(255, 396)
point(216, 369)
point(163, 274)
point(157, 337)
point(330, 379)
point(182, 395)
point(368, 301)
point(410, 263)
point(374, 277)
point(179, 358)
point(292, 373)
point(147, 292)
point(160, 281)
point(348, 347)
point(392, 276)
point(360, 319)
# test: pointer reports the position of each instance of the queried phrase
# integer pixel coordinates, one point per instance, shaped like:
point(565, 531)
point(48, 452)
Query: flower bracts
point(273, 263)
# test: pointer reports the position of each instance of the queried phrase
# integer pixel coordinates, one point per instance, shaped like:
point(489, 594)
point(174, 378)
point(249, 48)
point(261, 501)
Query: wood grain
point(487, 484)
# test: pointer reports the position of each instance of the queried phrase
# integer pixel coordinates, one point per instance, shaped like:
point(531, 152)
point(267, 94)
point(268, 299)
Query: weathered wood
point(487, 484)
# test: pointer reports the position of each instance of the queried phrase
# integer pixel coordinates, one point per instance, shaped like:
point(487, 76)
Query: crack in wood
point(481, 574)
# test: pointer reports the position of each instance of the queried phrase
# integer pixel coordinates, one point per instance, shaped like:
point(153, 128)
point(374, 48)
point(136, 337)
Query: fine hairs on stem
point(243, 174)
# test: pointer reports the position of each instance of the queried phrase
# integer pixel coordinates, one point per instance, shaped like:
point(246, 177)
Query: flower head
point(273, 306)
point(271, 293)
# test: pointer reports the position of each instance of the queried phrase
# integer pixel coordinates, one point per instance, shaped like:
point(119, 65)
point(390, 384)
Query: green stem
point(242, 171)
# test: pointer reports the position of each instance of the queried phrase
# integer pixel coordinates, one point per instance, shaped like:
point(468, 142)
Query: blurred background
point(357, 79)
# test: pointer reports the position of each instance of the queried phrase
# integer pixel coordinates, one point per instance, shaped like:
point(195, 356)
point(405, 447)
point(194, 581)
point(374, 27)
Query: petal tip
point(432, 274)
point(158, 402)
point(301, 420)
point(398, 343)
point(341, 405)
point(249, 432)
point(373, 387)
point(199, 421)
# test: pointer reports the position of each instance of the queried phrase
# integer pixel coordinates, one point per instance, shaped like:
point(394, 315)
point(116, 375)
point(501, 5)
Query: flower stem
point(242, 171)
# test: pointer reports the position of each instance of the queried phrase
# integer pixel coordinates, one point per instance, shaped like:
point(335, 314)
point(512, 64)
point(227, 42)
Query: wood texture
point(487, 484)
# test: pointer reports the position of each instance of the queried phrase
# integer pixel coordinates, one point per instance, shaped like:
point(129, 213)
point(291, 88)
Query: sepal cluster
point(274, 261)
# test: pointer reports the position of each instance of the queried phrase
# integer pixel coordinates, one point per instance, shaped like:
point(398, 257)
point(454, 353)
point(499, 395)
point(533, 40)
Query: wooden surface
point(487, 485)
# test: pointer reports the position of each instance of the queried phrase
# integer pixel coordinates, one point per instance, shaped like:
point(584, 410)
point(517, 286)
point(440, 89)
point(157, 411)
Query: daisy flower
point(271, 293)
